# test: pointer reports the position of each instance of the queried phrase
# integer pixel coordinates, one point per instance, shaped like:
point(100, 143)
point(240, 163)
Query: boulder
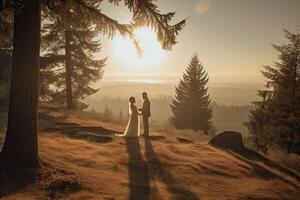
point(228, 140)
point(232, 141)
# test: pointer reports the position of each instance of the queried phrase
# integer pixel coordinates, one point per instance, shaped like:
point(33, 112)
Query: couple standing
point(133, 126)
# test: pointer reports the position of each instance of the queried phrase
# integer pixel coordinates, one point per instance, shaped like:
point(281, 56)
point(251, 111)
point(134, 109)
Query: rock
point(229, 140)
point(232, 141)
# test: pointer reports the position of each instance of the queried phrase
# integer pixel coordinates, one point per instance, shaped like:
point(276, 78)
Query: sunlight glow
point(127, 54)
point(145, 81)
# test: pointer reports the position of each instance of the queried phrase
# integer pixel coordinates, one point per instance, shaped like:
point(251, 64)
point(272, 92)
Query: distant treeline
point(224, 117)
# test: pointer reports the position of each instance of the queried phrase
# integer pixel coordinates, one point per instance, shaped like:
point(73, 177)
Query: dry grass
point(291, 161)
point(161, 167)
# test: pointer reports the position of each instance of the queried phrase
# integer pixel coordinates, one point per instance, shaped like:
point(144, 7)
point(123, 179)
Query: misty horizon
point(230, 94)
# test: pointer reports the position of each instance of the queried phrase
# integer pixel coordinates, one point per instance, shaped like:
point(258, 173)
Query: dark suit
point(146, 114)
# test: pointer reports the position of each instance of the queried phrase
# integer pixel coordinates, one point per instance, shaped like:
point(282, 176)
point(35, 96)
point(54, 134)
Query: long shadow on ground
point(156, 169)
point(139, 178)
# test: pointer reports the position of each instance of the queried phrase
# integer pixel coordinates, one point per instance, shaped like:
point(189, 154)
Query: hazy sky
point(232, 38)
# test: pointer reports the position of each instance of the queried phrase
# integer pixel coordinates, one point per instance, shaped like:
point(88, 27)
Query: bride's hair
point(132, 99)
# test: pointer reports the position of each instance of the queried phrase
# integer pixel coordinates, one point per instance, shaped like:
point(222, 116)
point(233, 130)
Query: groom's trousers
point(146, 125)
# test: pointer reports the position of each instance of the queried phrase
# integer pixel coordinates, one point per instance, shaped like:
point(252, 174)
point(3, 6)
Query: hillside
point(84, 160)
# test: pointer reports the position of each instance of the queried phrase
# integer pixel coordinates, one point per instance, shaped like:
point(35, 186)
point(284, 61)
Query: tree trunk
point(69, 91)
point(20, 148)
point(70, 103)
point(2, 4)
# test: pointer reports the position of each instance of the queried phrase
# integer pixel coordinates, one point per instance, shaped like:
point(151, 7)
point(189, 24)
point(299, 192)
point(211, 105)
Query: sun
point(126, 52)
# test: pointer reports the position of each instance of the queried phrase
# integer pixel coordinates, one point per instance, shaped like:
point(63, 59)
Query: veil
point(133, 126)
point(129, 108)
point(139, 126)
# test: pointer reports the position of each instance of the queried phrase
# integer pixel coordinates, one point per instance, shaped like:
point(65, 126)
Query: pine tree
point(191, 105)
point(73, 68)
point(20, 149)
point(258, 124)
point(283, 106)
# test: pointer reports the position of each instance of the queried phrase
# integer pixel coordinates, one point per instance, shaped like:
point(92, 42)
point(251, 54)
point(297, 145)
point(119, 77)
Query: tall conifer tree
point(20, 149)
point(20, 146)
point(71, 66)
point(191, 105)
point(258, 123)
point(283, 105)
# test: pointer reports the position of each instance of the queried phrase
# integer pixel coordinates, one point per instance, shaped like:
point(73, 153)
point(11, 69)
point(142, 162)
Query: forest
point(62, 137)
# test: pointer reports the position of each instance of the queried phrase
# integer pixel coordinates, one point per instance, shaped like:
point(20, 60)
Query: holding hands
point(140, 111)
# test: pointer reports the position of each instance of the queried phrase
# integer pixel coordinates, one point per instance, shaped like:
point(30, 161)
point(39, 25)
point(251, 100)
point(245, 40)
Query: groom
point(146, 114)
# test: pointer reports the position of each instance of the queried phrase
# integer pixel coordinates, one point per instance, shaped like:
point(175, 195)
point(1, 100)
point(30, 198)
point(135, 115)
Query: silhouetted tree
point(258, 123)
point(20, 148)
point(283, 105)
point(191, 105)
point(72, 46)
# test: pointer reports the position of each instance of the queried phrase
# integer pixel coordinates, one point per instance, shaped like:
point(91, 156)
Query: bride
point(133, 126)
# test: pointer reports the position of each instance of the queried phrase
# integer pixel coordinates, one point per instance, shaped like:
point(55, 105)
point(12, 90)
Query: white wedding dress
point(133, 126)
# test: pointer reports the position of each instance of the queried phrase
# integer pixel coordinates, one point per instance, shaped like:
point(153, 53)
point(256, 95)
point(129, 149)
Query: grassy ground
point(84, 160)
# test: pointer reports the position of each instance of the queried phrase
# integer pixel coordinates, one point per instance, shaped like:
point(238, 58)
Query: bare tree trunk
point(70, 103)
point(20, 148)
point(69, 91)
